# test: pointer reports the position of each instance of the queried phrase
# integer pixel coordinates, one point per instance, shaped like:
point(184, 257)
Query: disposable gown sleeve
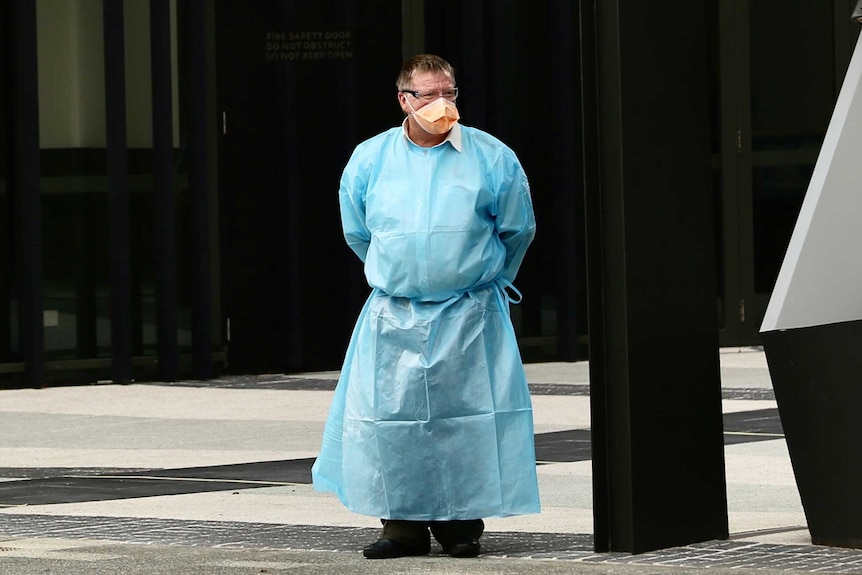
point(351, 199)
point(515, 222)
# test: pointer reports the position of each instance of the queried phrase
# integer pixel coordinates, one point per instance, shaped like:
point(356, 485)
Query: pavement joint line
point(771, 531)
point(754, 433)
point(571, 547)
point(299, 383)
point(189, 479)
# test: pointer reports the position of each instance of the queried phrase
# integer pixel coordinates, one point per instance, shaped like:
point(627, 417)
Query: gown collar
point(453, 137)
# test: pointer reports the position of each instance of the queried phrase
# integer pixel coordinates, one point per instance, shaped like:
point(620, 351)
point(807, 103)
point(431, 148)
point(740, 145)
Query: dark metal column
point(163, 168)
point(658, 459)
point(118, 191)
point(202, 323)
point(26, 190)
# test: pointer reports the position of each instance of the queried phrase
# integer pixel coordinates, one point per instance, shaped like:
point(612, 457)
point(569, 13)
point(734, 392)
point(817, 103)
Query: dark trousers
point(417, 533)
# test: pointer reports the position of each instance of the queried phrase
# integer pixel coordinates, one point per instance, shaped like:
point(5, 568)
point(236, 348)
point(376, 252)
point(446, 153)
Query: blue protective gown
point(431, 418)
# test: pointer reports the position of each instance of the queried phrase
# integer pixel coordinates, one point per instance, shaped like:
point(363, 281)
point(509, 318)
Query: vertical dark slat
point(27, 192)
point(293, 331)
point(118, 191)
point(165, 213)
point(568, 166)
point(6, 229)
point(474, 79)
point(85, 277)
point(200, 214)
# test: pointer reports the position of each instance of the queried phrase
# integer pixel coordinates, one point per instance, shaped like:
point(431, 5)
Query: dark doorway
point(300, 83)
point(777, 70)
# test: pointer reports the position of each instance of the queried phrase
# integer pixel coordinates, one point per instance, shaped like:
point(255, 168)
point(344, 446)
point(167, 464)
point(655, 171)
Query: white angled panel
point(820, 281)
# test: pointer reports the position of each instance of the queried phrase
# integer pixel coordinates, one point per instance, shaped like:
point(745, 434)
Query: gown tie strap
point(504, 286)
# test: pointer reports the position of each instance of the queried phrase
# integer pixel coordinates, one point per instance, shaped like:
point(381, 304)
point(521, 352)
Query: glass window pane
point(73, 157)
point(792, 96)
point(793, 73)
point(8, 328)
point(74, 187)
point(776, 204)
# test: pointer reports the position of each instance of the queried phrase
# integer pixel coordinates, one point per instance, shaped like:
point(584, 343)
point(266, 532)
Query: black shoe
point(463, 549)
point(390, 549)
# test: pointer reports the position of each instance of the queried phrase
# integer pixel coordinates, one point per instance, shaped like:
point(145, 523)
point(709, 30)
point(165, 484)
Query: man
point(431, 426)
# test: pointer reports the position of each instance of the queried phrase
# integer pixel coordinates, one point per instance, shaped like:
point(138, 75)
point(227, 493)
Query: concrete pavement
point(213, 477)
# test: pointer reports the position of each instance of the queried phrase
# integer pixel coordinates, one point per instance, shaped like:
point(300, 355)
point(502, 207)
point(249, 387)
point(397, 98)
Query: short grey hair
point(422, 63)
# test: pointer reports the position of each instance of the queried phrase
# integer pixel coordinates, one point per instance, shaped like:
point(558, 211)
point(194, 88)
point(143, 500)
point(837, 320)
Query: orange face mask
point(438, 117)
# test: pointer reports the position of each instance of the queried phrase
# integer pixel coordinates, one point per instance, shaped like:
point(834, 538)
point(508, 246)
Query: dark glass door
point(781, 67)
point(300, 83)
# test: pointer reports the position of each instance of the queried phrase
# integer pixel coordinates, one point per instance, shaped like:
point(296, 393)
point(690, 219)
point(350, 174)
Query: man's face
point(430, 86)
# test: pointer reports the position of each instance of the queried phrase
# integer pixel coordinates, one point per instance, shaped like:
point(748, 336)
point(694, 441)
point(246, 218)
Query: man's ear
point(402, 101)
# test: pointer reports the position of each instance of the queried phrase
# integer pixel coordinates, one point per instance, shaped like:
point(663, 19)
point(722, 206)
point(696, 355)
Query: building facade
point(169, 168)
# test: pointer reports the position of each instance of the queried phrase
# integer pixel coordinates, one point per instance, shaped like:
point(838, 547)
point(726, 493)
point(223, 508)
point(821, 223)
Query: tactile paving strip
point(565, 547)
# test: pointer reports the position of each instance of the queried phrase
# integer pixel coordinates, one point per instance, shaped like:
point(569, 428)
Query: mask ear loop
point(406, 99)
